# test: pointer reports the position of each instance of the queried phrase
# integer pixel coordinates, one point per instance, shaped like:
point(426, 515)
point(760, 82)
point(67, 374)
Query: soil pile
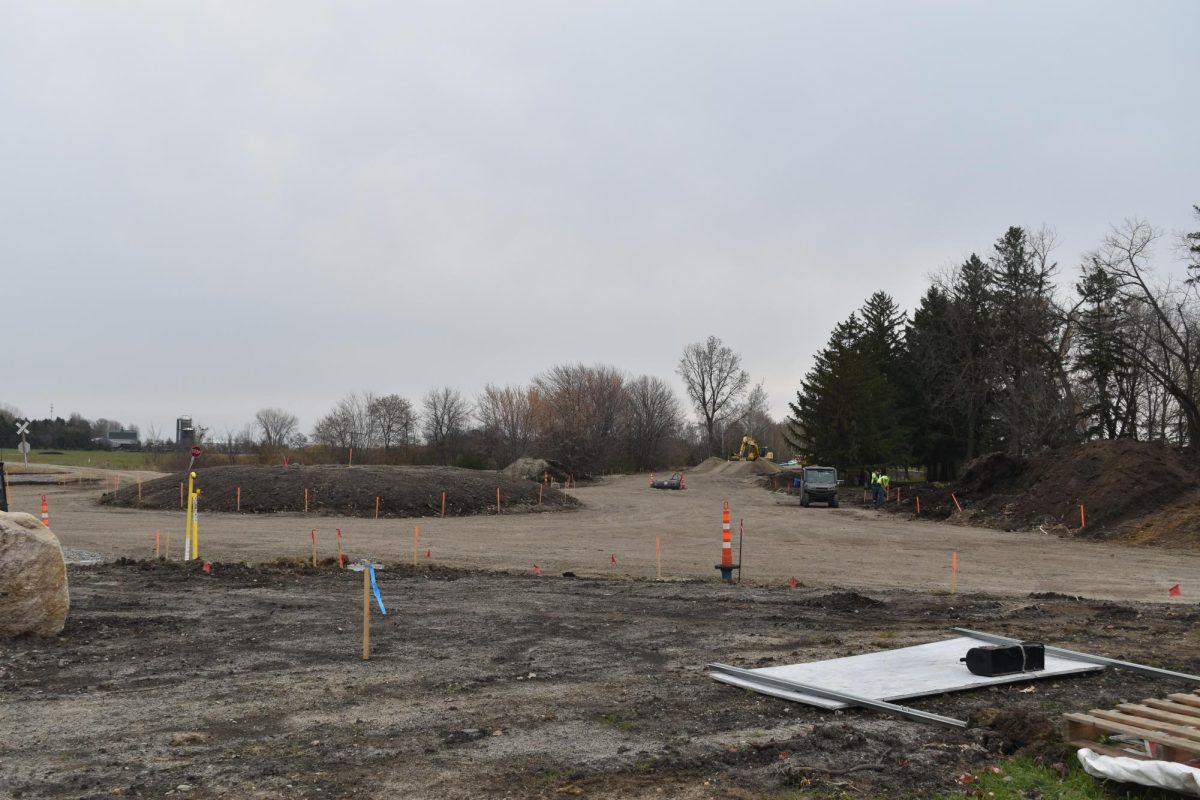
point(707, 465)
point(719, 466)
point(348, 491)
point(535, 469)
point(1119, 482)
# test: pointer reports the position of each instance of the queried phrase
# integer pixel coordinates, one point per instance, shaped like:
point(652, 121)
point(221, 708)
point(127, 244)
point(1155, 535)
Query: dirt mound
point(1176, 526)
point(535, 469)
point(990, 471)
point(350, 491)
point(1119, 482)
point(719, 466)
point(707, 465)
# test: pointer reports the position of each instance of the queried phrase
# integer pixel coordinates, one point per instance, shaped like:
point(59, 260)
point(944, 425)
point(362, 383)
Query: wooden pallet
point(1166, 730)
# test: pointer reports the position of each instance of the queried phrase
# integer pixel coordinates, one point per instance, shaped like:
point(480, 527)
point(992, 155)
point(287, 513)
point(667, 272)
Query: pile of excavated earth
point(403, 491)
point(1138, 491)
point(719, 466)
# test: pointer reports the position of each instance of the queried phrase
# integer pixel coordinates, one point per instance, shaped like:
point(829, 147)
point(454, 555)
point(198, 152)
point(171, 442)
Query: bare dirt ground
point(863, 549)
point(248, 683)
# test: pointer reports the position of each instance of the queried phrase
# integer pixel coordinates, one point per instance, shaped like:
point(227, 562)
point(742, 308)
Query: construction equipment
point(750, 451)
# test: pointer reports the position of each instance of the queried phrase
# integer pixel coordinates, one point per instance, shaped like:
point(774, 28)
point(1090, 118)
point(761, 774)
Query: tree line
point(997, 358)
point(591, 418)
point(76, 432)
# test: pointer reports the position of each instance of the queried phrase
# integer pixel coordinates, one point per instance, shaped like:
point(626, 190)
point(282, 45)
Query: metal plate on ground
point(918, 671)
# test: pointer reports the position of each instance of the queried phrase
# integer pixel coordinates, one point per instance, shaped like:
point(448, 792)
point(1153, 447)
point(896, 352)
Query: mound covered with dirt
point(707, 465)
point(1119, 482)
point(349, 491)
point(536, 469)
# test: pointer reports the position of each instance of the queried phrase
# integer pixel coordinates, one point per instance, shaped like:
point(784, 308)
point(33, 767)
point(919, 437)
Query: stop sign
point(196, 451)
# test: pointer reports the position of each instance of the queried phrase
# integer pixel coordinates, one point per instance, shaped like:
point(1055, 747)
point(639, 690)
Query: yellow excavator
point(750, 451)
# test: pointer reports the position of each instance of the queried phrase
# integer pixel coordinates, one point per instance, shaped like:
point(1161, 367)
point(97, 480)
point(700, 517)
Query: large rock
point(33, 578)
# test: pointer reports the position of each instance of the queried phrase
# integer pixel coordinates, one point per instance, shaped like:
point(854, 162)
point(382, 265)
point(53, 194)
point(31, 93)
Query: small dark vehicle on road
point(819, 485)
point(673, 482)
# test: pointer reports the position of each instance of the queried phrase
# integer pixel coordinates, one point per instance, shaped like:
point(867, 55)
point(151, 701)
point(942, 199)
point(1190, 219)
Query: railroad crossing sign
point(23, 428)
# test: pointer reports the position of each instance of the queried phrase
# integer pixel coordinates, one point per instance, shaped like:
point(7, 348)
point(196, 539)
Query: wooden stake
point(954, 497)
point(366, 615)
point(539, 494)
point(376, 506)
point(416, 542)
point(657, 558)
point(1082, 518)
point(239, 499)
point(953, 571)
point(341, 558)
point(139, 490)
point(305, 499)
point(351, 463)
point(443, 504)
point(497, 499)
point(157, 542)
point(918, 504)
point(314, 547)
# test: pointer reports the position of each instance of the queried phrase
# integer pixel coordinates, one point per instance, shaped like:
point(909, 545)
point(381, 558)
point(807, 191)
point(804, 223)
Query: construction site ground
point(490, 681)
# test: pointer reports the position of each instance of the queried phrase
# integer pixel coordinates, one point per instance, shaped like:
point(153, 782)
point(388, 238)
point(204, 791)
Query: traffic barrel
point(45, 512)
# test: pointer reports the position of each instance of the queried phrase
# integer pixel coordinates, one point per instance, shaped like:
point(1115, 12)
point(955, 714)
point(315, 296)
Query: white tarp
point(1159, 774)
point(924, 669)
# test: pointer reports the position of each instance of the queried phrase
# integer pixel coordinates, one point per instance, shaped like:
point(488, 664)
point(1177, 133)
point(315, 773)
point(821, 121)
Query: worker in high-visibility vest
point(884, 482)
point(876, 489)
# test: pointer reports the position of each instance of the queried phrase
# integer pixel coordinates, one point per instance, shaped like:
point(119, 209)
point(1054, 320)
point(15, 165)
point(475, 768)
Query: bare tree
point(1169, 348)
point(443, 420)
point(507, 421)
point(654, 418)
point(713, 376)
point(580, 414)
point(393, 420)
point(276, 426)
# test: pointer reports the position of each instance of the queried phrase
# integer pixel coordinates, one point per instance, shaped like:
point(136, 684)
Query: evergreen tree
point(938, 421)
point(1110, 408)
point(1029, 403)
point(844, 412)
point(972, 382)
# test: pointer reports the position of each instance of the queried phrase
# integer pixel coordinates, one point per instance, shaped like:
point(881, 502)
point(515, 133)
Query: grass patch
point(97, 459)
point(1019, 779)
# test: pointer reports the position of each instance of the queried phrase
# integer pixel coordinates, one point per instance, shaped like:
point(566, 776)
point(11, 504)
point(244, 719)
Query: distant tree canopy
point(993, 359)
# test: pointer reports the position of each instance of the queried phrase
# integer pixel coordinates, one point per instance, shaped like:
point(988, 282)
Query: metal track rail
point(1086, 658)
point(841, 697)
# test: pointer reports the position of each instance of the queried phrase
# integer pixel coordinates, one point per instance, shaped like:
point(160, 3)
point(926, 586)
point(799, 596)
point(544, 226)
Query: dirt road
point(622, 516)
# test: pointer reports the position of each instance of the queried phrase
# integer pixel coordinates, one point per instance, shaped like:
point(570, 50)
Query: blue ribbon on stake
point(375, 588)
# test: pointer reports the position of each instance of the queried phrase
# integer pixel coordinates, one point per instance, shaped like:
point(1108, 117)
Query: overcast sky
point(208, 208)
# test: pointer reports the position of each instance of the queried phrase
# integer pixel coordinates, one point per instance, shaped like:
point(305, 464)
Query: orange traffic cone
point(45, 512)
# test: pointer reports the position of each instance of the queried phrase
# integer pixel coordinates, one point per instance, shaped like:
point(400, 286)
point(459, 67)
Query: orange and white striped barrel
point(45, 512)
point(726, 538)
